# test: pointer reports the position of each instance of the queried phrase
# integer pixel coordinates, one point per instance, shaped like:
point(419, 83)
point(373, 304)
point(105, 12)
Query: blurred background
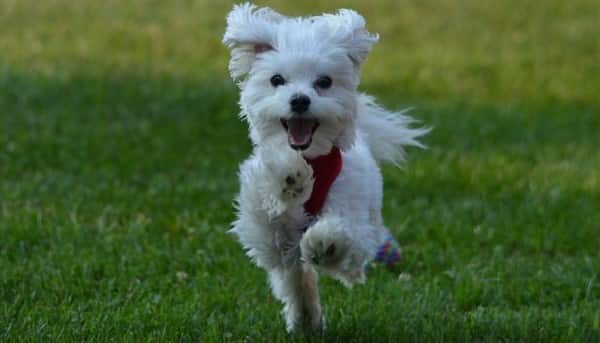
point(119, 146)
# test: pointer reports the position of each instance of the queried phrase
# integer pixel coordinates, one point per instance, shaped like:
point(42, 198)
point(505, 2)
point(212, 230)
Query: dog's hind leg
point(297, 288)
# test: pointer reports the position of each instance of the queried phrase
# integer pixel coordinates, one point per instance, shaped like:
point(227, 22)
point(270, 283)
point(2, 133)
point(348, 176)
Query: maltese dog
point(311, 192)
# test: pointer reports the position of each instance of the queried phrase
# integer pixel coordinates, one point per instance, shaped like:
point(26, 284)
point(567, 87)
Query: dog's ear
point(349, 32)
point(250, 31)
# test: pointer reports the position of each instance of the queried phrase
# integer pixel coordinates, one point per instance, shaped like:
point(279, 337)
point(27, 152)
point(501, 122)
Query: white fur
point(276, 180)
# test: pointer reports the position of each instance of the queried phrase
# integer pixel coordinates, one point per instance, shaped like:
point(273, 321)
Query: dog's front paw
point(297, 185)
point(325, 244)
point(328, 246)
point(291, 175)
point(285, 180)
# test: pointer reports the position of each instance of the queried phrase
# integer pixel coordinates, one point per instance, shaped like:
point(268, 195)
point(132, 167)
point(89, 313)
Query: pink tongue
point(300, 131)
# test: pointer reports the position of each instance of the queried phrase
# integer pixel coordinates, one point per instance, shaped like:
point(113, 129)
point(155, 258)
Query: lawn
point(119, 147)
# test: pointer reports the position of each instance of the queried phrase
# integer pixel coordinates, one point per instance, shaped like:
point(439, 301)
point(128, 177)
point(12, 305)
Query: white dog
point(311, 192)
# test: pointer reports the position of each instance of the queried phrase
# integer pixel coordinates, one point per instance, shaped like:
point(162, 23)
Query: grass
point(119, 146)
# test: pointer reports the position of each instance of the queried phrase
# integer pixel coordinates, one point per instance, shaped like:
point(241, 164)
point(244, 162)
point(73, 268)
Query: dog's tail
point(387, 133)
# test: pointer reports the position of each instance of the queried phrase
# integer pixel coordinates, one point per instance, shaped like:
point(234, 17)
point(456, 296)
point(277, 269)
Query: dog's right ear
point(250, 31)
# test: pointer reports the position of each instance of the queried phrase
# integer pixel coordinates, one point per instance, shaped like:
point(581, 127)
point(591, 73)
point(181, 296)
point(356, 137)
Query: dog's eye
point(330, 250)
point(277, 80)
point(323, 82)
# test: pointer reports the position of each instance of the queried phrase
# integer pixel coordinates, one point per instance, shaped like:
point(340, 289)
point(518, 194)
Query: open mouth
point(300, 131)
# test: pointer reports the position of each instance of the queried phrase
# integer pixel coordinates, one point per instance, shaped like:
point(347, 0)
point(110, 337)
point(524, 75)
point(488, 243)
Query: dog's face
point(299, 76)
point(305, 101)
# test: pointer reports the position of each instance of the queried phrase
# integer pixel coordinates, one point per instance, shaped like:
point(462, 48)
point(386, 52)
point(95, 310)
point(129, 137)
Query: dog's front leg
point(271, 244)
point(297, 287)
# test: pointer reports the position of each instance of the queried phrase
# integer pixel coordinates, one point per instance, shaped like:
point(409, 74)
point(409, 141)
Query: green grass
point(119, 146)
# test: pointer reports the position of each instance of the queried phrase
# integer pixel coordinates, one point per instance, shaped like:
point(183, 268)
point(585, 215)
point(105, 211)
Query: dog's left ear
point(250, 31)
point(351, 34)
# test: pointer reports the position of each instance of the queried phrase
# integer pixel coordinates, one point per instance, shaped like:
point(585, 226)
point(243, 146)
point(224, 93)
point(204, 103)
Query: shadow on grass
point(108, 98)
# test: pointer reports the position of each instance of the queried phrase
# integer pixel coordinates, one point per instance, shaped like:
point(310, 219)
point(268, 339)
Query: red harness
point(326, 169)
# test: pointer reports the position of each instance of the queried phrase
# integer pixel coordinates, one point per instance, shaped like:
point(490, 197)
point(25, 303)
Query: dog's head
point(298, 76)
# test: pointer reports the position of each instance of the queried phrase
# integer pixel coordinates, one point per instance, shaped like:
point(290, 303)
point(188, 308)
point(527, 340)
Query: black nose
point(299, 103)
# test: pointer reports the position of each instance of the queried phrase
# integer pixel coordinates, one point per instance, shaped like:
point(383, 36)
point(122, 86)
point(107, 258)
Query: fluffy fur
point(276, 180)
